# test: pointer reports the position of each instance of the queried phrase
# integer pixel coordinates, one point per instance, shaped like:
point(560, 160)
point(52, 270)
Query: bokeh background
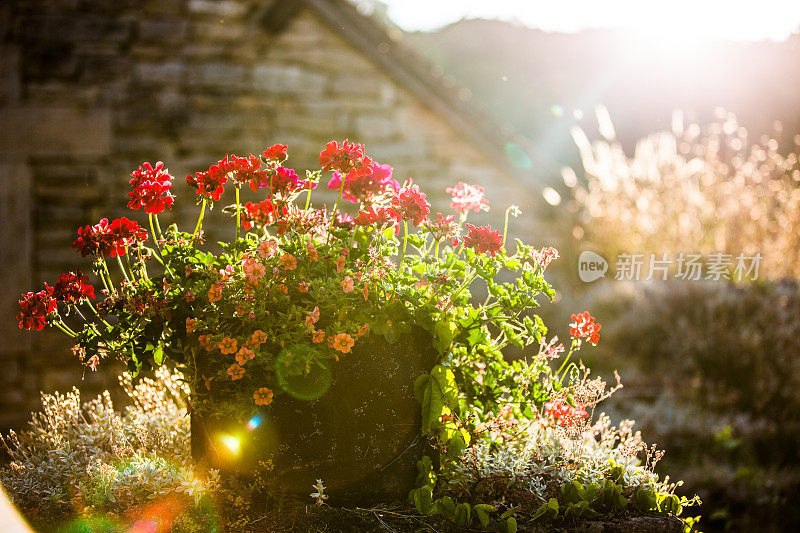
point(618, 127)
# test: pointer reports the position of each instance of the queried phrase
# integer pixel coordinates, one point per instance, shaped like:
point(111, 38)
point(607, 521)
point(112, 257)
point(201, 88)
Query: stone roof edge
point(413, 72)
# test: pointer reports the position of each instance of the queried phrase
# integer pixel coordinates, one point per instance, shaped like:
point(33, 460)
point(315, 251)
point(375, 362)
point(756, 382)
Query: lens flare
point(231, 443)
point(254, 422)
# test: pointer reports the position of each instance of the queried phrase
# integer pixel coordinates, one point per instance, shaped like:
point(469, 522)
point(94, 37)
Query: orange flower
point(258, 338)
point(244, 354)
point(343, 342)
point(190, 325)
point(288, 262)
point(347, 284)
point(263, 396)
point(319, 336)
point(365, 292)
point(303, 286)
point(362, 330)
point(227, 345)
point(235, 372)
point(312, 252)
point(314, 315)
point(340, 263)
point(205, 342)
point(215, 293)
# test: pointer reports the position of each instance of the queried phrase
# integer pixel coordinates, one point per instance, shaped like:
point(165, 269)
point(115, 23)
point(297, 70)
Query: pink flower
point(467, 197)
point(303, 286)
point(545, 256)
point(314, 315)
point(312, 252)
point(347, 284)
point(253, 270)
point(267, 248)
point(483, 239)
point(366, 185)
point(365, 292)
point(244, 354)
point(444, 228)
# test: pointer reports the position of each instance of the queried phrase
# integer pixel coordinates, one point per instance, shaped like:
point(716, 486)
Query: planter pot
point(362, 437)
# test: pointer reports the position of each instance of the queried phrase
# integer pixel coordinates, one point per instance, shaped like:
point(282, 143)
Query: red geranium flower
point(34, 308)
point(344, 158)
point(247, 170)
point(109, 240)
point(149, 184)
point(72, 287)
point(285, 182)
point(410, 204)
point(210, 183)
point(276, 152)
point(375, 216)
point(564, 414)
point(483, 239)
point(260, 214)
point(466, 197)
point(365, 186)
point(584, 326)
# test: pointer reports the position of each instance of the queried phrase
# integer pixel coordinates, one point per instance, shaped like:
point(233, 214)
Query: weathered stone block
point(55, 131)
point(163, 30)
point(222, 74)
point(375, 127)
point(224, 8)
point(159, 73)
point(288, 79)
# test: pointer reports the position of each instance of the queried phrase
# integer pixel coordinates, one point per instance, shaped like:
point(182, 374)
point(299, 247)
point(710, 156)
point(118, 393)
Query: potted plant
point(365, 350)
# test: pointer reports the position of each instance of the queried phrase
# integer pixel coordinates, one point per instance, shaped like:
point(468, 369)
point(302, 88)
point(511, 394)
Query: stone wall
point(91, 88)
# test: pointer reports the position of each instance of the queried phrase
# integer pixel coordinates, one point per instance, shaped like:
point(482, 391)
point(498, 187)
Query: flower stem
point(238, 221)
point(122, 268)
point(199, 220)
point(110, 285)
point(63, 327)
point(505, 231)
point(566, 359)
point(335, 209)
point(153, 232)
point(89, 303)
point(405, 242)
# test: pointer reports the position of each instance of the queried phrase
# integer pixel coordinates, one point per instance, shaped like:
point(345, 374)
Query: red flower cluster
point(149, 184)
point(246, 170)
point(584, 326)
point(444, 228)
point(72, 287)
point(210, 183)
point(483, 239)
point(365, 186)
point(344, 158)
point(277, 152)
point(373, 216)
point(466, 197)
point(260, 214)
point(109, 240)
point(564, 414)
point(410, 204)
point(34, 308)
point(285, 182)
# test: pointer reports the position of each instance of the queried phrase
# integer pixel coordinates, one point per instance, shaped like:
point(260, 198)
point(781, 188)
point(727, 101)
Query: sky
point(662, 20)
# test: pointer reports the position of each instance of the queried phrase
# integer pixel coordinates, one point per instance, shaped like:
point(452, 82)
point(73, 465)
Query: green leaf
point(644, 499)
point(482, 511)
point(432, 406)
point(446, 508)
point(509, 525)
point(158, 354)
point(423, 499)
point(419, 387)
point(463, 515)
point(447, 383)
point(445, 332)
point(547, 512)
point(425, 473)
